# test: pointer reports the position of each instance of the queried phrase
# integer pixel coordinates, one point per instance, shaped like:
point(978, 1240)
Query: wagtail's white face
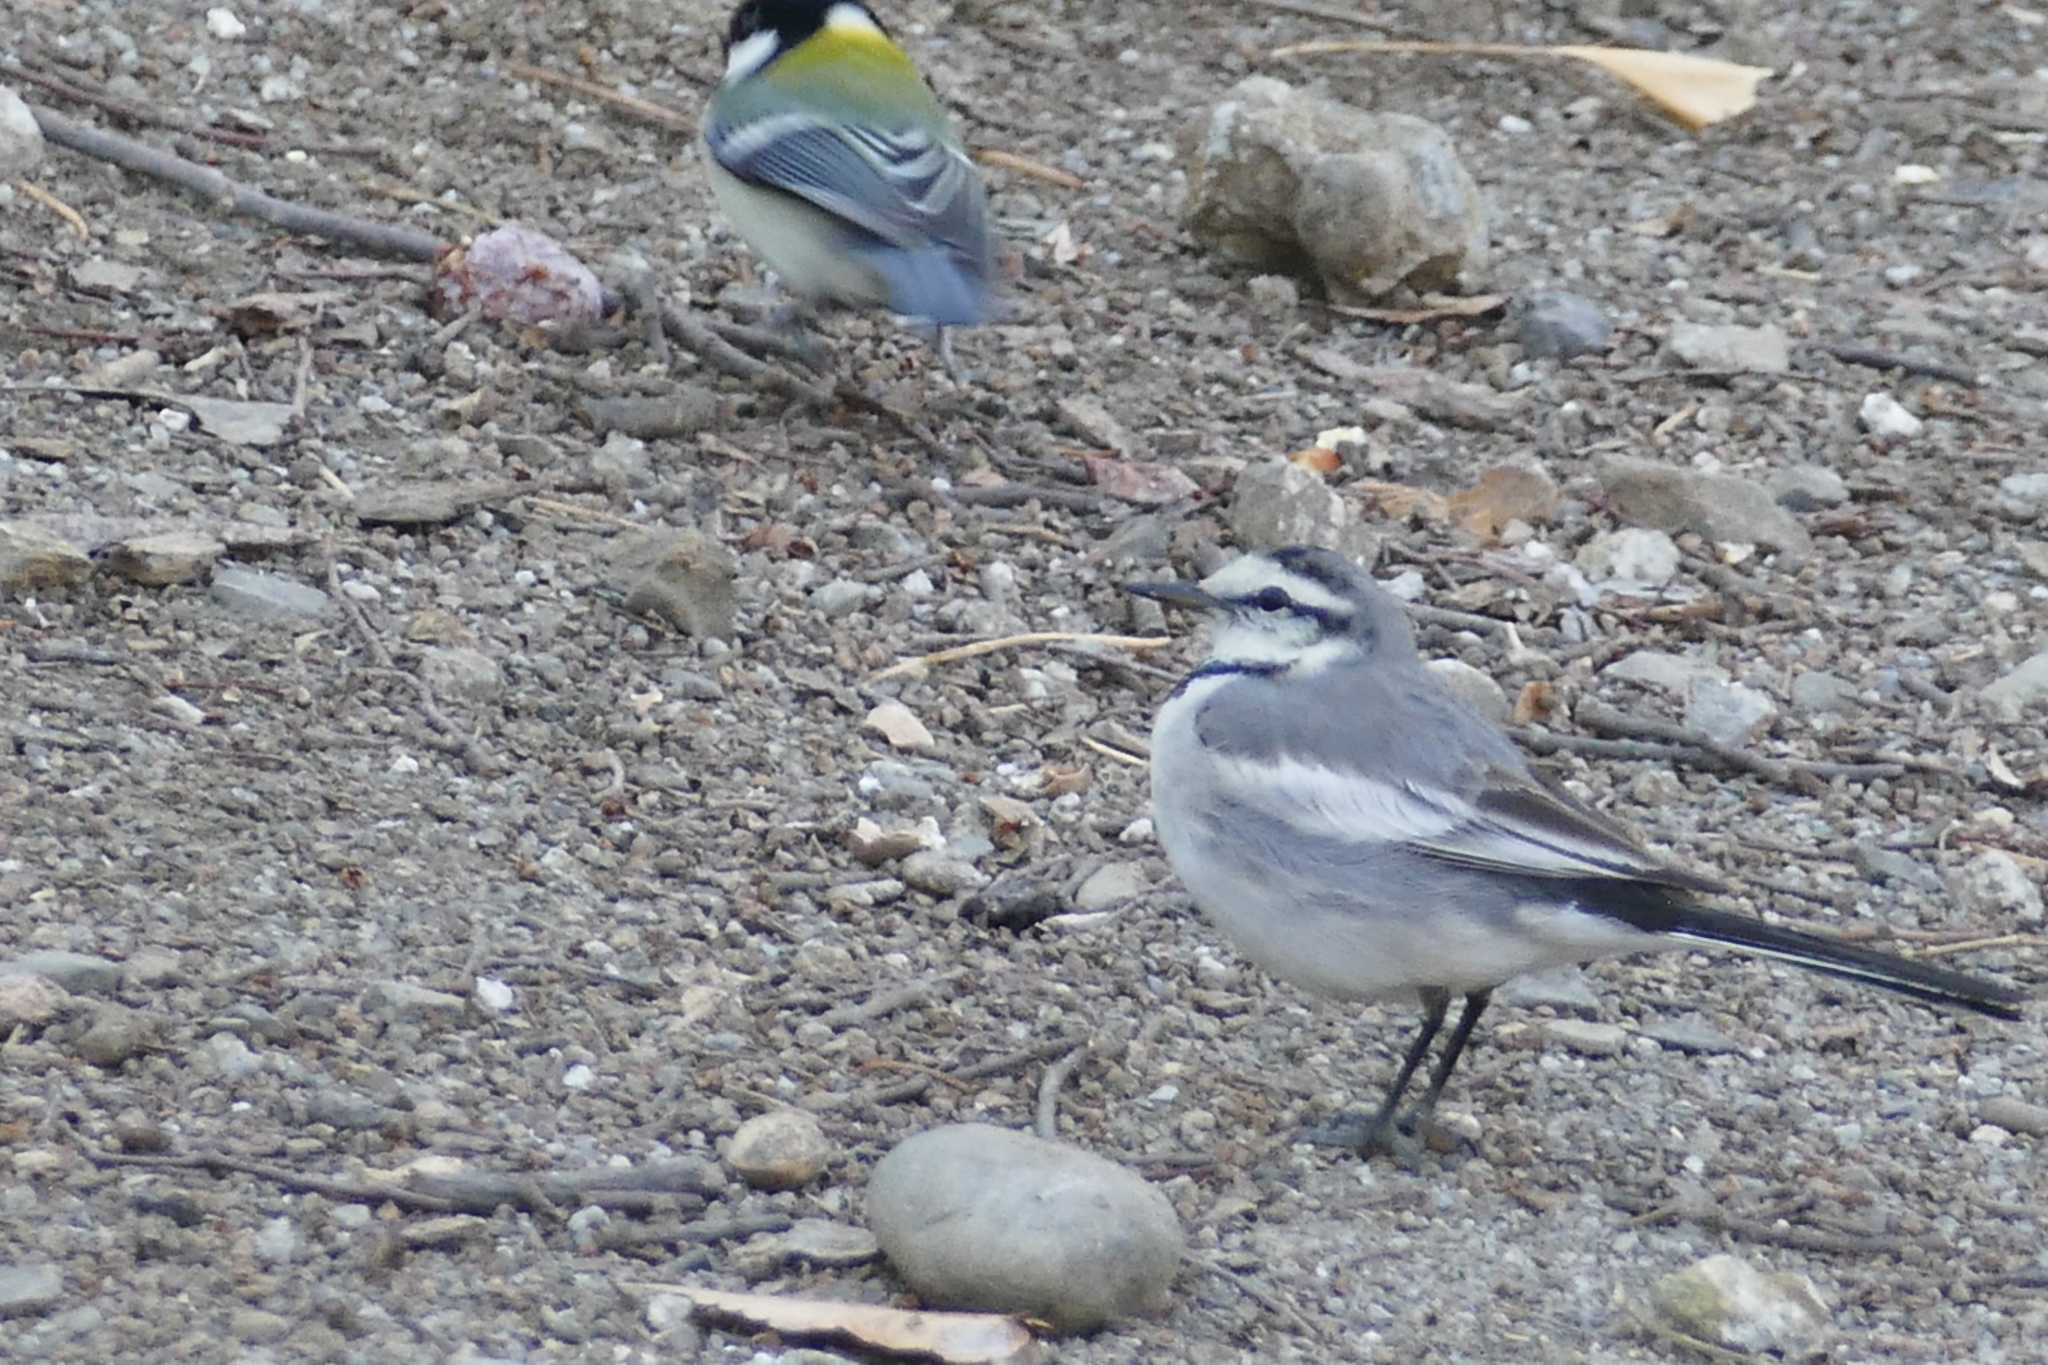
point(1295, 608)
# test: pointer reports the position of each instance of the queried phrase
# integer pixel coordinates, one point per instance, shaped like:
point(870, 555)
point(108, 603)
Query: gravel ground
point(292, 834)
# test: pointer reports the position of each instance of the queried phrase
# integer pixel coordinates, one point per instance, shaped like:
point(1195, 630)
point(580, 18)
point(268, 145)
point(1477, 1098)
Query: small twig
point(1971, 945)
point(1251, 1289)
point(1111, 751)
point(884, 1003)
point(1024, 165)
point(1872, 357)
point(659, 115)
point(1049, 1091)
point(133, 113)
point(1042, 637)
point(70, 215)
point(345, 1191)
point(1782, 771)
point(912, 1089)
point(210, 185)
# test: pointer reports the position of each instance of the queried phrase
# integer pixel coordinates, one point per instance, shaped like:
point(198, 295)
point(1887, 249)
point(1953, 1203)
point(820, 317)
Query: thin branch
point(1040, 637)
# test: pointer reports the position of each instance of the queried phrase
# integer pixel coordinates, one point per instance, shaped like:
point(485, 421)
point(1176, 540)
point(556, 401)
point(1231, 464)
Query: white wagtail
point(1362, 833)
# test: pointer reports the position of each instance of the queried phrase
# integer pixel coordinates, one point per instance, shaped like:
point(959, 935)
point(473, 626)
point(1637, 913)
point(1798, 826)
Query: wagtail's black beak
point(1189, 595)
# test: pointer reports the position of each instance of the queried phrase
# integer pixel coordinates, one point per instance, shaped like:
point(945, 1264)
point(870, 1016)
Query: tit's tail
point(1695, 923)
point(935, 285)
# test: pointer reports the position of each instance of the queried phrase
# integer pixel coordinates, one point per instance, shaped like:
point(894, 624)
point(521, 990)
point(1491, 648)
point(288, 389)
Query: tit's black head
point(791, 21)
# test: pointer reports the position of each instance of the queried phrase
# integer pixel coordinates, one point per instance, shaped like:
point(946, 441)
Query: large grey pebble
point(78, 973)
point(265, 596)
point(1718, 506)
point(1993, 887)
point(1473, 686)
point(1672, 672)
point(1110, 884)
point(28, 1290)
point(1560, 324)
point(975, 1216)
point(1710, 346)
point(1277, 502)
point(21, 137)
point(2025, 686)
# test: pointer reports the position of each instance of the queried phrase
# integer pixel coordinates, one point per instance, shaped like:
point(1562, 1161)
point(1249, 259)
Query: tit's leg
point(1378, 1134)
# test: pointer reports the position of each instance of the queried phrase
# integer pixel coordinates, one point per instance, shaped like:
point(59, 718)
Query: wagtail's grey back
point(1358, 830)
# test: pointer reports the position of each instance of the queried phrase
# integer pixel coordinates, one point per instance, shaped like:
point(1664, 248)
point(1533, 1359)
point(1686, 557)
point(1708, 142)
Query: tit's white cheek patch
point(749, 55)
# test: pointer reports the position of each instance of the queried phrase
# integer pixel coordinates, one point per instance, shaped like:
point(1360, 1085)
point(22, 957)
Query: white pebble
point(493, 994)
point(578, 1077)
point(1883, 415)
point(222, 24)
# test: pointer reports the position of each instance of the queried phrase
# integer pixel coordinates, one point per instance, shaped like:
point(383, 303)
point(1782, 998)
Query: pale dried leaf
point(898, 724)
point(953, 1338)
point(1399, 501)
point(1693, 92)
point(1503, 494)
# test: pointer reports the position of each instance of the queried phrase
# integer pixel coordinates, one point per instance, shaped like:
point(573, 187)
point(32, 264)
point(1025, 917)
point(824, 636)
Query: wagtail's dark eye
point(1272, 599)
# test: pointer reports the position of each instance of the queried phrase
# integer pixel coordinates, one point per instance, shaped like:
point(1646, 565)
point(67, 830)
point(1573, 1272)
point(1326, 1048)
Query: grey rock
point(1674, 673)
point(1689, 1033)
point(1708, 346)
point(1882, 864)
point(1277, 502)
point(779, 1150)
point(160, 560)
point(1993, 887)
point(229, 1057)
point(810, 1241)
point(21, 138)
point(1727, 1302)
point(1818, 693)
point(26, 999)
point(2023, 687)
point(2015, 1115)
point(276, 1242)
point(937, 874)
point(433, 503)
point(978, 1217)
point(460, 672)
point(1278, 178)
point(34, 560)
point(1559, 324)
point(1720, 507)
point(1586, 1037)
point(1808, 488)
point(30, 1290)
point(1111, 884)
point(1561, 988)
point(1634, 555)
point(258, 1326)
point(840, 597)
point(266, 596)
point(684, 577)
point(892, 785)
point(116, 1035)
point(1473, 686)
point(1729, 713)
point(78, 973)
point(2023, 497)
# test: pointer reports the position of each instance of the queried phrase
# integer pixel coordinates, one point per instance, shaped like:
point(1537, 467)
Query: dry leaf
point(953, 1338)
point(1024, 165)
point(1399, 501)
point(1503, 494)
point(1321, 459)
point(1433, 308)
point(1062, 247)
point(1665, 225)
point(1693, 92)
point(1535, 703)
point(1141, 481)
point(1060, 781)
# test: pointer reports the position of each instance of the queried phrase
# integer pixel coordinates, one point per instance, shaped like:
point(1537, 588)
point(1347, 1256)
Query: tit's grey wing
point(904, 185)
point(1387, 757)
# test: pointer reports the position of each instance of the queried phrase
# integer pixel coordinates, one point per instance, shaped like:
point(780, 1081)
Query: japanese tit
point(836, 163)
